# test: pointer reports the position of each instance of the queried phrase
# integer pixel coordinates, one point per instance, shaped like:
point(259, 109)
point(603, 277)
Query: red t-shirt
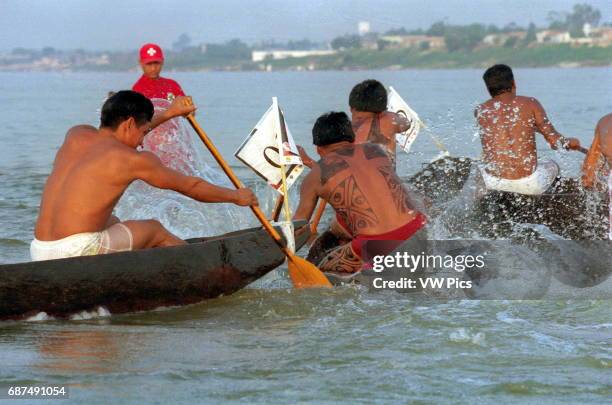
point(157, 88)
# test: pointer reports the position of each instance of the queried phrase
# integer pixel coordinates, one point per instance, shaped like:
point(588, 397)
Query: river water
point(269, 343)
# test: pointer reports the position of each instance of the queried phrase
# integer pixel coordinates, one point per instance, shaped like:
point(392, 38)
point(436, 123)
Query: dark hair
point(499, 79)
point(370, 96)
point(332, 127)
point(125, 104)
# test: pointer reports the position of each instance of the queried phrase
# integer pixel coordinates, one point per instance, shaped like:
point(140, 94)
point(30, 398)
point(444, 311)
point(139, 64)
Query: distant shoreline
point(221, 70)
point(559, 56)
point(534, 57)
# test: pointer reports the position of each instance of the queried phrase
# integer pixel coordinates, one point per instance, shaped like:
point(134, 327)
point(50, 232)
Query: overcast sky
point(126, 24)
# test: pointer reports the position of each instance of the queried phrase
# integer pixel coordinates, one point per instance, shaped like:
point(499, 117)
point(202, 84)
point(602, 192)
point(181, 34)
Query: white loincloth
point(535, 184)
point(117, 238)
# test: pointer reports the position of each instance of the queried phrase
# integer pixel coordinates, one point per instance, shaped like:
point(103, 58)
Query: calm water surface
point(269, 343)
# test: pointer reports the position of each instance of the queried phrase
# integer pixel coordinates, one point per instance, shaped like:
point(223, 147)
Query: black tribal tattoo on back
point(373, 151)
point(375, 135)
point(398, 192)
point(331, 166)
point(341, 260)
point(352, 206)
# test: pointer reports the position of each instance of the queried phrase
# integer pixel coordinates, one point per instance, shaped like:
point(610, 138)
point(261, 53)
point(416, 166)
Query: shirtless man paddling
point(359, 182)
point(508, 124)
point(93, 168)
point(601, 150)
point(371, 120)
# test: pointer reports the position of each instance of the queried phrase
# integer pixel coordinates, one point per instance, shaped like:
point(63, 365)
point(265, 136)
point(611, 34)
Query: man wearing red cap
point(151, 84)
point(161, 141)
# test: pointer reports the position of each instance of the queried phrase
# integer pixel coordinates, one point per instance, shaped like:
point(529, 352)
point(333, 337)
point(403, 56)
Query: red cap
point(151, 53)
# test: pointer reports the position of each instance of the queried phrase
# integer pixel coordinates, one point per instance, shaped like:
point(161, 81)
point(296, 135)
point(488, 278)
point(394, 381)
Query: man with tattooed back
point(359, 182)
point(371, 120)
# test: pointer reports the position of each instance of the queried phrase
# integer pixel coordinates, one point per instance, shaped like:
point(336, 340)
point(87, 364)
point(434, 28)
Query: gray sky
point(126, 24)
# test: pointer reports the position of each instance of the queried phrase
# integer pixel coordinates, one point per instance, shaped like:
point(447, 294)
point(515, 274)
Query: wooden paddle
point(303, 273)
point(314, 225)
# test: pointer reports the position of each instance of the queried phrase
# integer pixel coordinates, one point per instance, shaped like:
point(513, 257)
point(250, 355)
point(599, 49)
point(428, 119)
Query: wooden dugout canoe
point(566, 208)
point(143, 279)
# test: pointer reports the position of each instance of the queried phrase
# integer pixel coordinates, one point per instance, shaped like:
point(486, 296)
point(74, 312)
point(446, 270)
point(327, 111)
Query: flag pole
point(302, 273)
point(314, 225)
point(278, 207)
point(284, 188)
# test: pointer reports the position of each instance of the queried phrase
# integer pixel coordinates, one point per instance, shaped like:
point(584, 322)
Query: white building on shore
point(553, 37)
point(259, 56)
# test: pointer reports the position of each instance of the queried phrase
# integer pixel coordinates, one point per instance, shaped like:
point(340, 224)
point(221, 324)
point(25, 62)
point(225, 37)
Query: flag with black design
point(268, 143)
point(396, 104)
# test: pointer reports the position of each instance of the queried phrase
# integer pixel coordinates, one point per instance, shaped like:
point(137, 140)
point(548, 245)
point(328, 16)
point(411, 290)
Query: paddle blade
point(305, 274)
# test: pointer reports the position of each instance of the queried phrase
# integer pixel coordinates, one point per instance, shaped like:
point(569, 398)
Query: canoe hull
point(140, 280)
point(566, 208)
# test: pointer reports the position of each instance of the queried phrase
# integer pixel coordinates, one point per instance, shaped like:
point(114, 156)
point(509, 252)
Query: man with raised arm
point(370, 119)
point(359, 182)
point(600, 154)
point(508, 124)
point(91, 171)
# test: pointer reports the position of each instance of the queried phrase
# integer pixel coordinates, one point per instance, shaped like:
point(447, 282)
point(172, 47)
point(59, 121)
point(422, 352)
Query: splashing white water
point(99, 312)
point(176, 145)
point(40, 317)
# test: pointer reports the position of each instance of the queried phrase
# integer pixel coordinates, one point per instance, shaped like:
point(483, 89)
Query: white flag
point(260, 151)
point(396, 104)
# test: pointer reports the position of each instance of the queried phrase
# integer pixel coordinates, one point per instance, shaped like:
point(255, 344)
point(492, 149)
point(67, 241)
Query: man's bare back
point(80, 195)
point(508, 124)
point(600, 148)
point(92, 170)
point(379, 128)
point(604, 129)
point(359, 182)
point(370, 120)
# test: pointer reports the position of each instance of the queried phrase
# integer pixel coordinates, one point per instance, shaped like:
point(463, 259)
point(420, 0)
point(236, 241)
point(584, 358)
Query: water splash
point(178, 148)
point(99, 312)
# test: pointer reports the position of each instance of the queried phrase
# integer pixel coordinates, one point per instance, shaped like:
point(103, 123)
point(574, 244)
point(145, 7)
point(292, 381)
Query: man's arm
point(591, 163)
point(147, 167)
point(179, 107)
point(400, 123)
point(307, 160)
point(308, 194)
point(546, 128)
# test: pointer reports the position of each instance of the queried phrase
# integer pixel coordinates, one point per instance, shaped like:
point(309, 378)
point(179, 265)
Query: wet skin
point(93, 168)
point(600, 151)
point(359, 182)
point(379, 128)
point(508, 124)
